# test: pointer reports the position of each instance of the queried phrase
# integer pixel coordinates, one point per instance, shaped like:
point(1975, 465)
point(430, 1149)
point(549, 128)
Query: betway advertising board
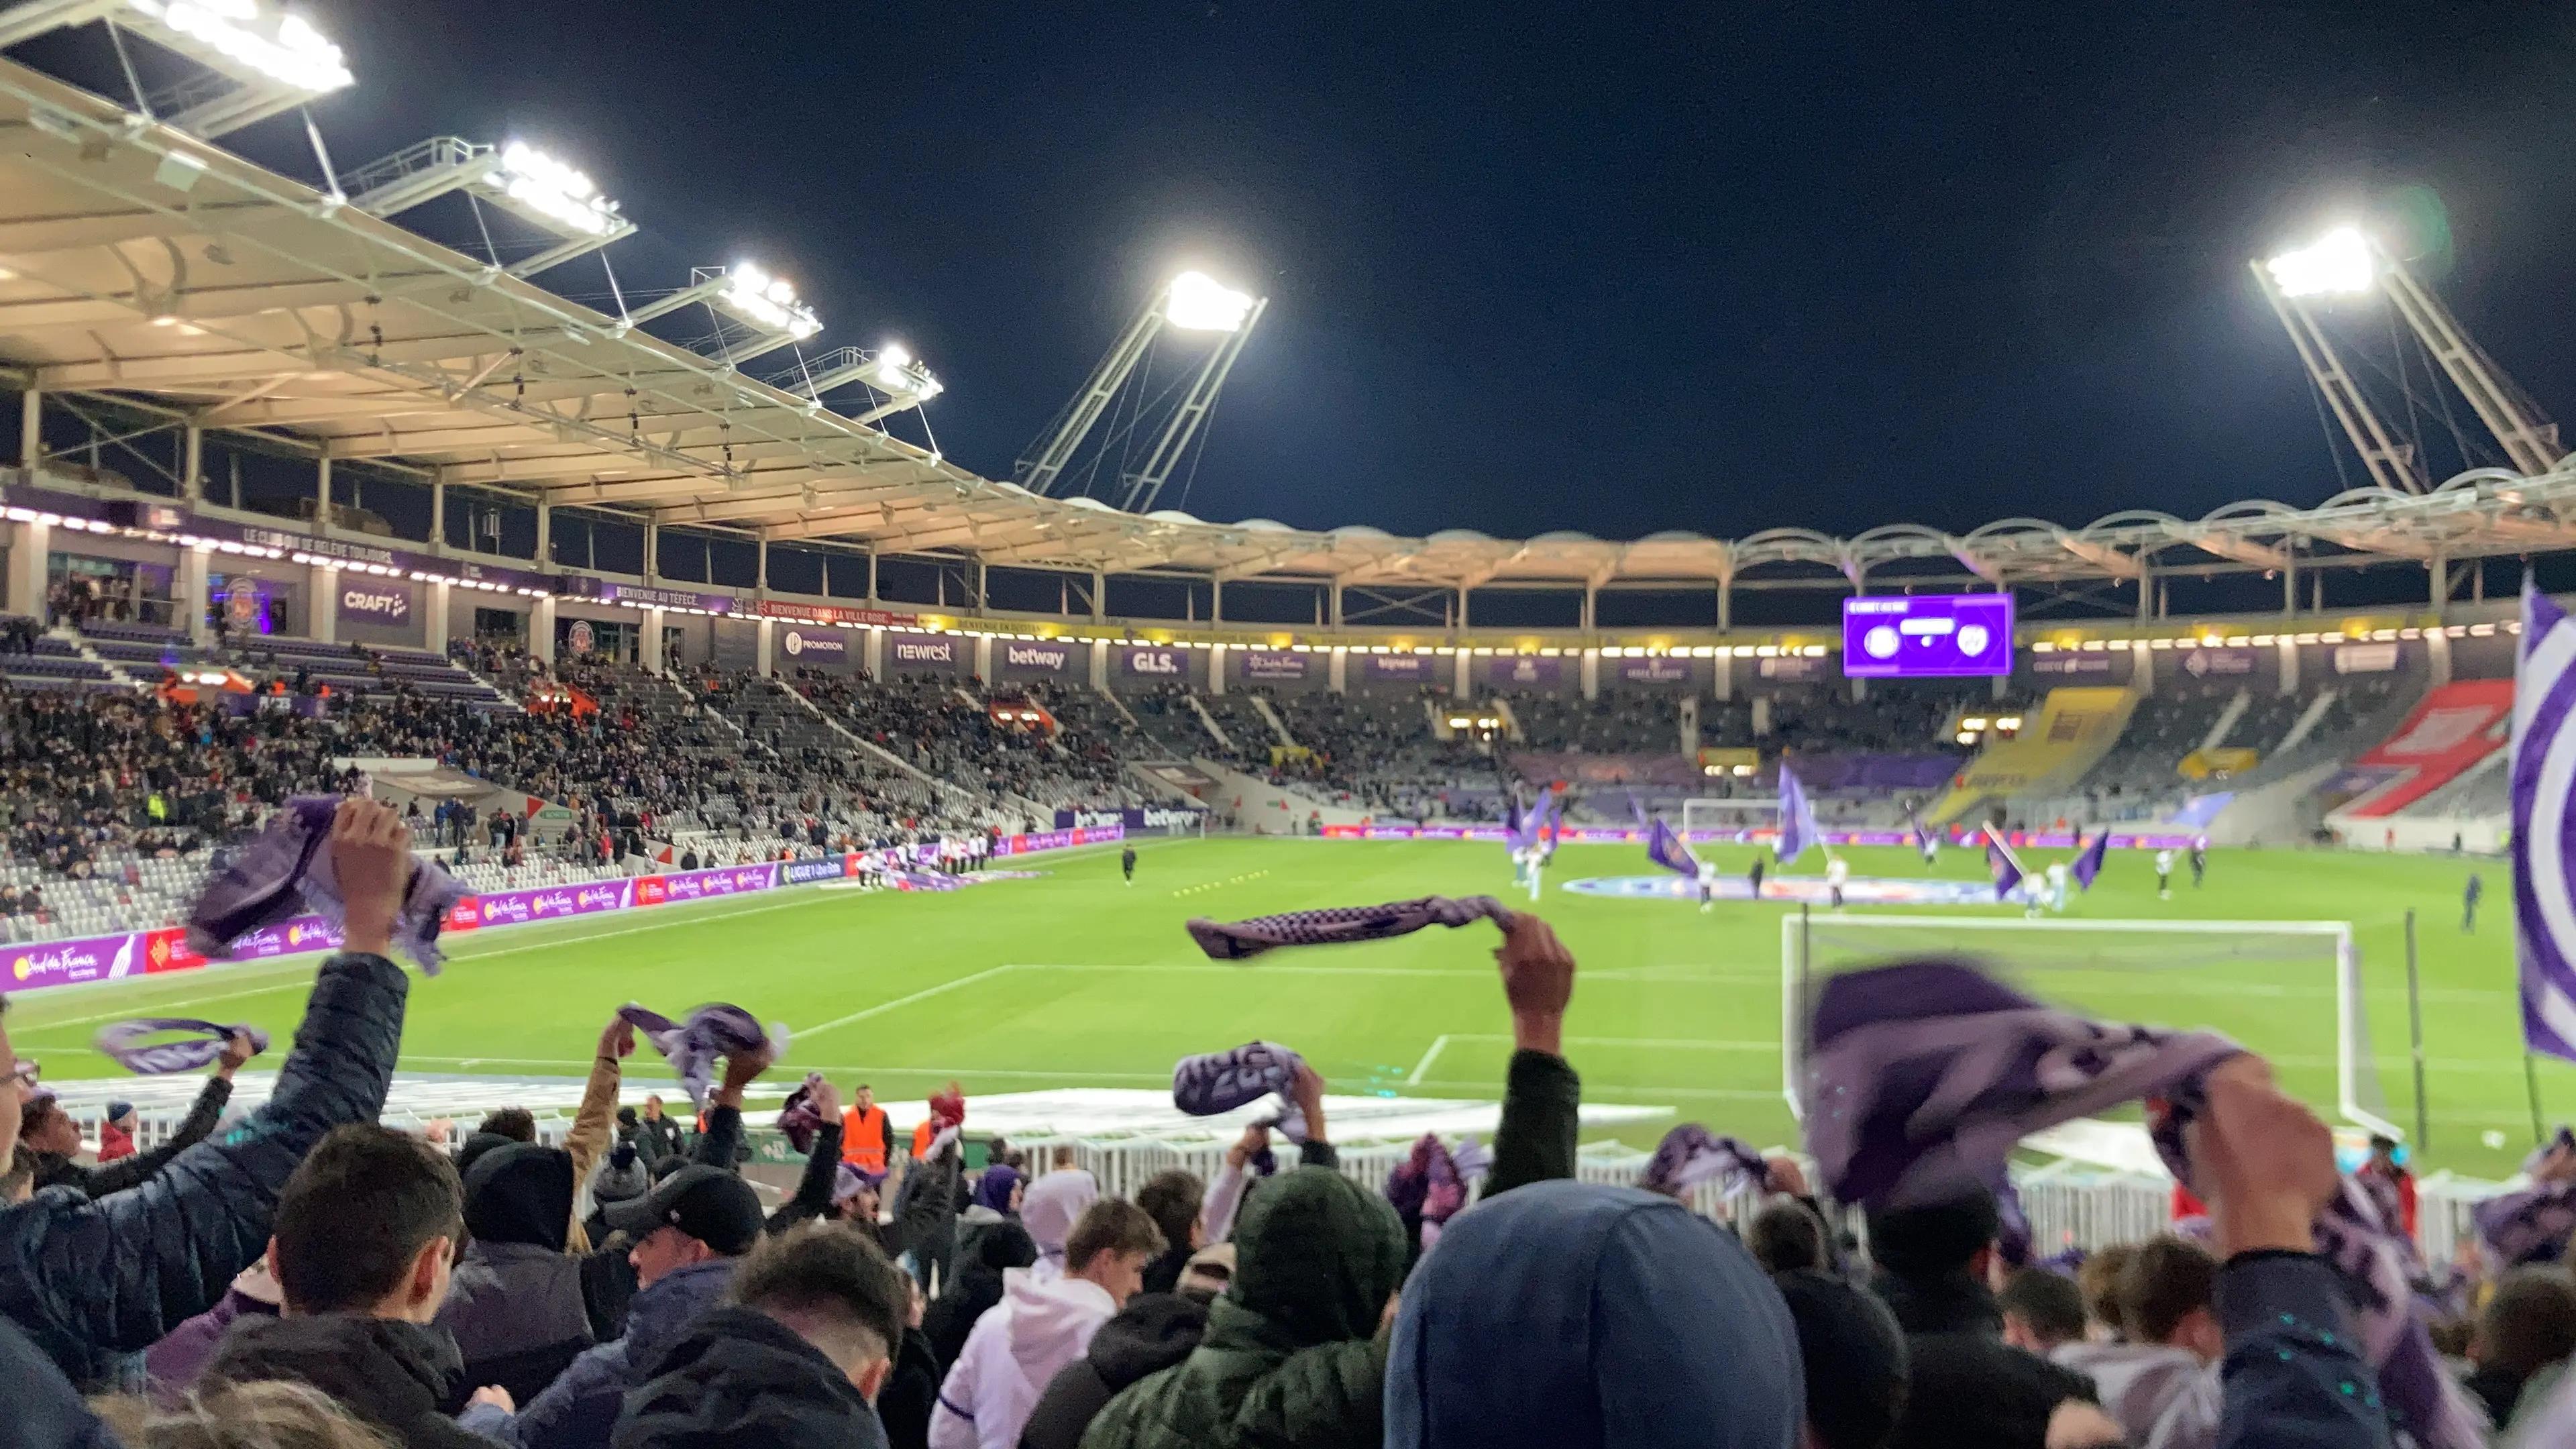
point(140, 953)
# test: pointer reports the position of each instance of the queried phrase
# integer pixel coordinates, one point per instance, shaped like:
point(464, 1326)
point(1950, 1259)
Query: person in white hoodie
point(2163, 1384)
point(1042, 1324)
point(1049, 1207)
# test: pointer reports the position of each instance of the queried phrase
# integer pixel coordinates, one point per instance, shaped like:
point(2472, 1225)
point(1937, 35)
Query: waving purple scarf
point(1921, 1078)
point(797, 1119)
point(1690, 1154)
point(1340, 925)
point(692, 1046)
point(2532, 1224)
point(286, 869)
point(1219, 1082)
point(1430, 1185)
point(204, 1043)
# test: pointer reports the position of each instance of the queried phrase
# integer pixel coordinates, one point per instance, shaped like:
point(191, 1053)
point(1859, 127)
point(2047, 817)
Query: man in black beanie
point(1968, 1387)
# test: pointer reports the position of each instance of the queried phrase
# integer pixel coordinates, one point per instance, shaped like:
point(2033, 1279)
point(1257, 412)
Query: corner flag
point(2544, 834)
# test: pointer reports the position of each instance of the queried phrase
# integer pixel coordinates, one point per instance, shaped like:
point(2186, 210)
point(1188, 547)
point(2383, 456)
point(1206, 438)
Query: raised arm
point(192, 1129)
point(1541, 1093)
point(114, 1276)
point(813, 1197)
point(721, 1144)
point(588, 1139)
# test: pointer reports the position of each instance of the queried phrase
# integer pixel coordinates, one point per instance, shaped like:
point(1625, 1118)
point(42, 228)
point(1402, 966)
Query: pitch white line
point(925, 994)
point(1675, 1043)
point(1428, 1058)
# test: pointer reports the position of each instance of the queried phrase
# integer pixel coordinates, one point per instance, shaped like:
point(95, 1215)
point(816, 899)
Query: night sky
point(1615, 268)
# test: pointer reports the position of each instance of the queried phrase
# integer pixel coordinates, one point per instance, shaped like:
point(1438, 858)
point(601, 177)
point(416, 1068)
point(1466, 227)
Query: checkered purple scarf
point(1921, 1078)
point(1219, 1082)
point(797, 1119)
point(1340, 925)
point(202, 1045)
point(1430, 1185)
point(1690, 1154)
point(692, 1046)
point(286, 869)
point(2532, 1224)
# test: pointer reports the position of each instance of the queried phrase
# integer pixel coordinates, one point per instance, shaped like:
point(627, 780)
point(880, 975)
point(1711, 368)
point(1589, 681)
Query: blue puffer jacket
point(83, 1281)
point(578, 1409)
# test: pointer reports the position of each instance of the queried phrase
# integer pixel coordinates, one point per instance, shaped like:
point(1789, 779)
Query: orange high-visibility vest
point(863, 1139)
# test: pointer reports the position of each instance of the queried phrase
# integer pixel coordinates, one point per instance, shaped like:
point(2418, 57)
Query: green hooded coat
point(1292, 1354)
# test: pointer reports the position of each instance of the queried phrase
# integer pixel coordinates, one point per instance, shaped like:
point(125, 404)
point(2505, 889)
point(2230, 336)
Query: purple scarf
point(286, 868)
point(1339, 925)
point(1430, 1185)
point(1690, 1154)
point(692, 1046)
point(2532, 1224)
point(1921, 1078)
point(123, 1043)
point(797, 1120)
point(1219, 1082)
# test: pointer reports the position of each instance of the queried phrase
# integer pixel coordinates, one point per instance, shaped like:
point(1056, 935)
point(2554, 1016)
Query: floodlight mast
point(2347, 261)
point(747, 294)
point(890, 370)
point(1190, 302)
point(518, 178)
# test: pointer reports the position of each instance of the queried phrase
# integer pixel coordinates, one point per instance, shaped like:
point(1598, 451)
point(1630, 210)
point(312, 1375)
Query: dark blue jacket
point(83, 1281)
point(578, 1410)
point(1574, 1315)
point(2294, 1375)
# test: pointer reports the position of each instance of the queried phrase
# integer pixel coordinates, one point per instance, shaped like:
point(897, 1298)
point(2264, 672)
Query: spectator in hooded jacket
point(51, 1136)
point(1292, 1353)
point(1041, 1325)
point(1589, 1317)
point(793, 1360)
point(171, 1367)
point(2169, 1391)
point(515, 1306)
point(365, 1243)
point(81, 1281)
point(1153, 1332)
point(983, 1262)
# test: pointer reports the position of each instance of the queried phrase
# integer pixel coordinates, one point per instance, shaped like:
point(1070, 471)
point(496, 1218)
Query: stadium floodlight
point(275, 59)
point(548, 194)
point(2336, 264)
point(1196, 302)
point(890, 370)
point(555, 191)
point(897, 375)
point(769, 303)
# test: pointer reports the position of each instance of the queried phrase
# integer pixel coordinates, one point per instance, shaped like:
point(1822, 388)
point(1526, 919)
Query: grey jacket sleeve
point(192, 1129)
point(89, 1279)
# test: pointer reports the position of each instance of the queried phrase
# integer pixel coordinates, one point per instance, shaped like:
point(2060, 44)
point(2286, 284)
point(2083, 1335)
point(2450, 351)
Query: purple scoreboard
point(1891, 636)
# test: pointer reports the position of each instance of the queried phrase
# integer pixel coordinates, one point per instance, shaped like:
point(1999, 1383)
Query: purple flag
point(1665, 847)
point(1921, 1079)
point(2532, 1224)
point(2007, 870)
point(1798, 828)
point(1551, 821)
point(1339, 925)
point(2089, 864)
point(2542, 777)
point(200, 1045)
point(1218, 1082)
point(1690, 1154)
point(692, 1046)
point(1516, 826)
point(1923, 838)
point(286, 869)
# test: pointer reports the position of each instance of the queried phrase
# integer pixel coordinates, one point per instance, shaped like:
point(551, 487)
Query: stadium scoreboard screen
point(1935, 635)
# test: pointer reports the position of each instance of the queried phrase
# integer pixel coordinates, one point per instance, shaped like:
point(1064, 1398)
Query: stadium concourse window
point(500, 626)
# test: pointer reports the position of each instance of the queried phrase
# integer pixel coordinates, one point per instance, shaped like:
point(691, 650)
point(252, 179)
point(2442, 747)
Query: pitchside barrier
point(164, 949)
point(1764, 835)
point(2068, 1205)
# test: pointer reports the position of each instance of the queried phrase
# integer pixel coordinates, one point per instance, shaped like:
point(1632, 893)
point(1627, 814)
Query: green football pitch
point(1075, 979)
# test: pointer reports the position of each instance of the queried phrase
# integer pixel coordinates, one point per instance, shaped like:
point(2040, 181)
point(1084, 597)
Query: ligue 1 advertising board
point(1623, 835)
point(1928, 636)
point(140, 953)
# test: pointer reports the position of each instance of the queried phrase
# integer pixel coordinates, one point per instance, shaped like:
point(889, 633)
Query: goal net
point(2290, 990)
point(1728, 816)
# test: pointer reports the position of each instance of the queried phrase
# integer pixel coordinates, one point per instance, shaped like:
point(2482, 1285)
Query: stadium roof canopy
point(146, 265)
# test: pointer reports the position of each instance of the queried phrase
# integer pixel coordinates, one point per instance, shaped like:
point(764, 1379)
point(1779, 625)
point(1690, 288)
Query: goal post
point(1727, 816)
point(2263, 983)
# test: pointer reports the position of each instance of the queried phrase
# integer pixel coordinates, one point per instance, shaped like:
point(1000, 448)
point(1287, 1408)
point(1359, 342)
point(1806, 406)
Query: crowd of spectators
point(312, 1277)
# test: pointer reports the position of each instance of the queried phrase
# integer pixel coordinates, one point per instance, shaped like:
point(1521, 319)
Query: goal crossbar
point(1797, 963)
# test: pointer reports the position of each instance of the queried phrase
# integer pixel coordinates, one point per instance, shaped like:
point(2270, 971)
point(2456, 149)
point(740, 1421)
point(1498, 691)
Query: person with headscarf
point(515, 1305)
point(1581, 1316)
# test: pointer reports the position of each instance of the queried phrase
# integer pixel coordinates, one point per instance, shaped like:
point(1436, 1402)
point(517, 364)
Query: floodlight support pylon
point(2391, 463)
point(1146, 484)
point(2530, 441)
point(1044, 466)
